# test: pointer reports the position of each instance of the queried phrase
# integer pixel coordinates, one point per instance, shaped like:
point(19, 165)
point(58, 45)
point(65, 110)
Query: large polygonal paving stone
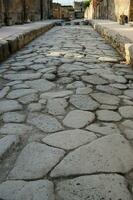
point(106, 98)
point(19, 77)
point(69, 139)
point(9, 105)
point(45, 123)
point(78, 118)
point(108, 89)
point(126, 111)
point(129, 93)
point(94, 187)
point(35, 161)
point(41, 85)
point(13, 117)
point(108, 154)
point(58, 94)
point(94, 79)
point(108, 116)
point(21, 190)
point(14, 94)
point(14, 128)
point(103, 128)
point(7, 143)
point(70, 68)
point(84, 102)
point(57, 106)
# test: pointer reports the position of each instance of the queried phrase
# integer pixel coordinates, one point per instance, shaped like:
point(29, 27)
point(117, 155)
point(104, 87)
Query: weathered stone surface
point(64, 80)
point(128, 124)
point(84, 102)
point(70, 68)
point(41, 85)
point(94, 79)
point(108, 59)
point(28, 98)
point(21, 190)
point(126, 111)
point(7, 143)
point(20, 93)
point(104, 98)
point(69, 139)
point(34, 107)
point(57, 94)
point(20, 86)
point(108, 89)
point(119, 86)
point(17, 129)
point(108, 116)
point(15, 77)
point(49, 76)
point(94, 187)
point(101, 155)
point(78, 118)
point(76, 84)
point(103, 128)
point(114, 78)
point(129, 93)
point(9, 105)
point(84, 90)
point(35, 161)
point(45, 123)
point(13, 117)
point(4, 92)
point(108, 107)
point(57, 106)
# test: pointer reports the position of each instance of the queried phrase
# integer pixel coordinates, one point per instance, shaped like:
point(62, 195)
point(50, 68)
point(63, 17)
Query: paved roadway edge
point(17, 41)
point(122, 44)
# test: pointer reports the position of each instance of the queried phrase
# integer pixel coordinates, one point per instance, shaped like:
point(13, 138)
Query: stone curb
point(15, 42)
point(122, 44)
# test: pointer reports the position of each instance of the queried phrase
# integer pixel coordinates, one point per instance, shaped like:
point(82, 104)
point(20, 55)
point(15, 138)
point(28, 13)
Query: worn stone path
point(66, 120)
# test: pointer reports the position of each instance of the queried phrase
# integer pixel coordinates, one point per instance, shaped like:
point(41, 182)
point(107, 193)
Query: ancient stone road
point(66, 129)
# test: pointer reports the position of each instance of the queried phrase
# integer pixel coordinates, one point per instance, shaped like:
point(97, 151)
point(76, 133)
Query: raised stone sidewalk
point(13, 38)
point(120, 36)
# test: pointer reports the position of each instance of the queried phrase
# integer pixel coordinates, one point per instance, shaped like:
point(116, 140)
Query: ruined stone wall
point(112, 9)
point(20, 11)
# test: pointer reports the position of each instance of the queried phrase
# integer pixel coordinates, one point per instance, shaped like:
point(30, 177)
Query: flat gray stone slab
point(103, 128)
point(84, 90)
point(28, 98)
point(4, 92)
point(57, 106)
point(106, 98)
point(94, 79)
point(129, 93)
point(15, 94)
point(128, 124)
point(126, 111)
point(35, 161)
point(78, 119)
point(41, 85)
point(108, 116)
point(21, 190)
point(58, 94)
point(114, 78)
point(76, 84)
point(15, 77)
point(45, 123)
point(6, 143)
point(108, 89)
point(102, 155)
point(108, 59)
point(84, 102)
point(94, 187)
point(9, 105)
point(69, 139)
point(13, 117)
point(70, 68)
point(14, 128)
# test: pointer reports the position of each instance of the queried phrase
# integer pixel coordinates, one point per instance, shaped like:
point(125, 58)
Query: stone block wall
point(20, 11)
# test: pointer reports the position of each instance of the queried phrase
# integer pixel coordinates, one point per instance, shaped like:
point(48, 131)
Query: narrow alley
point(66, 119)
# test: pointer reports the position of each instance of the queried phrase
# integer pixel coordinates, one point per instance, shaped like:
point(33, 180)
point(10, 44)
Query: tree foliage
point(87, 3)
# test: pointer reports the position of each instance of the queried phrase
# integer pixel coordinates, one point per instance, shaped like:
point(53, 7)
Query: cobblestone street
point(66, 120)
